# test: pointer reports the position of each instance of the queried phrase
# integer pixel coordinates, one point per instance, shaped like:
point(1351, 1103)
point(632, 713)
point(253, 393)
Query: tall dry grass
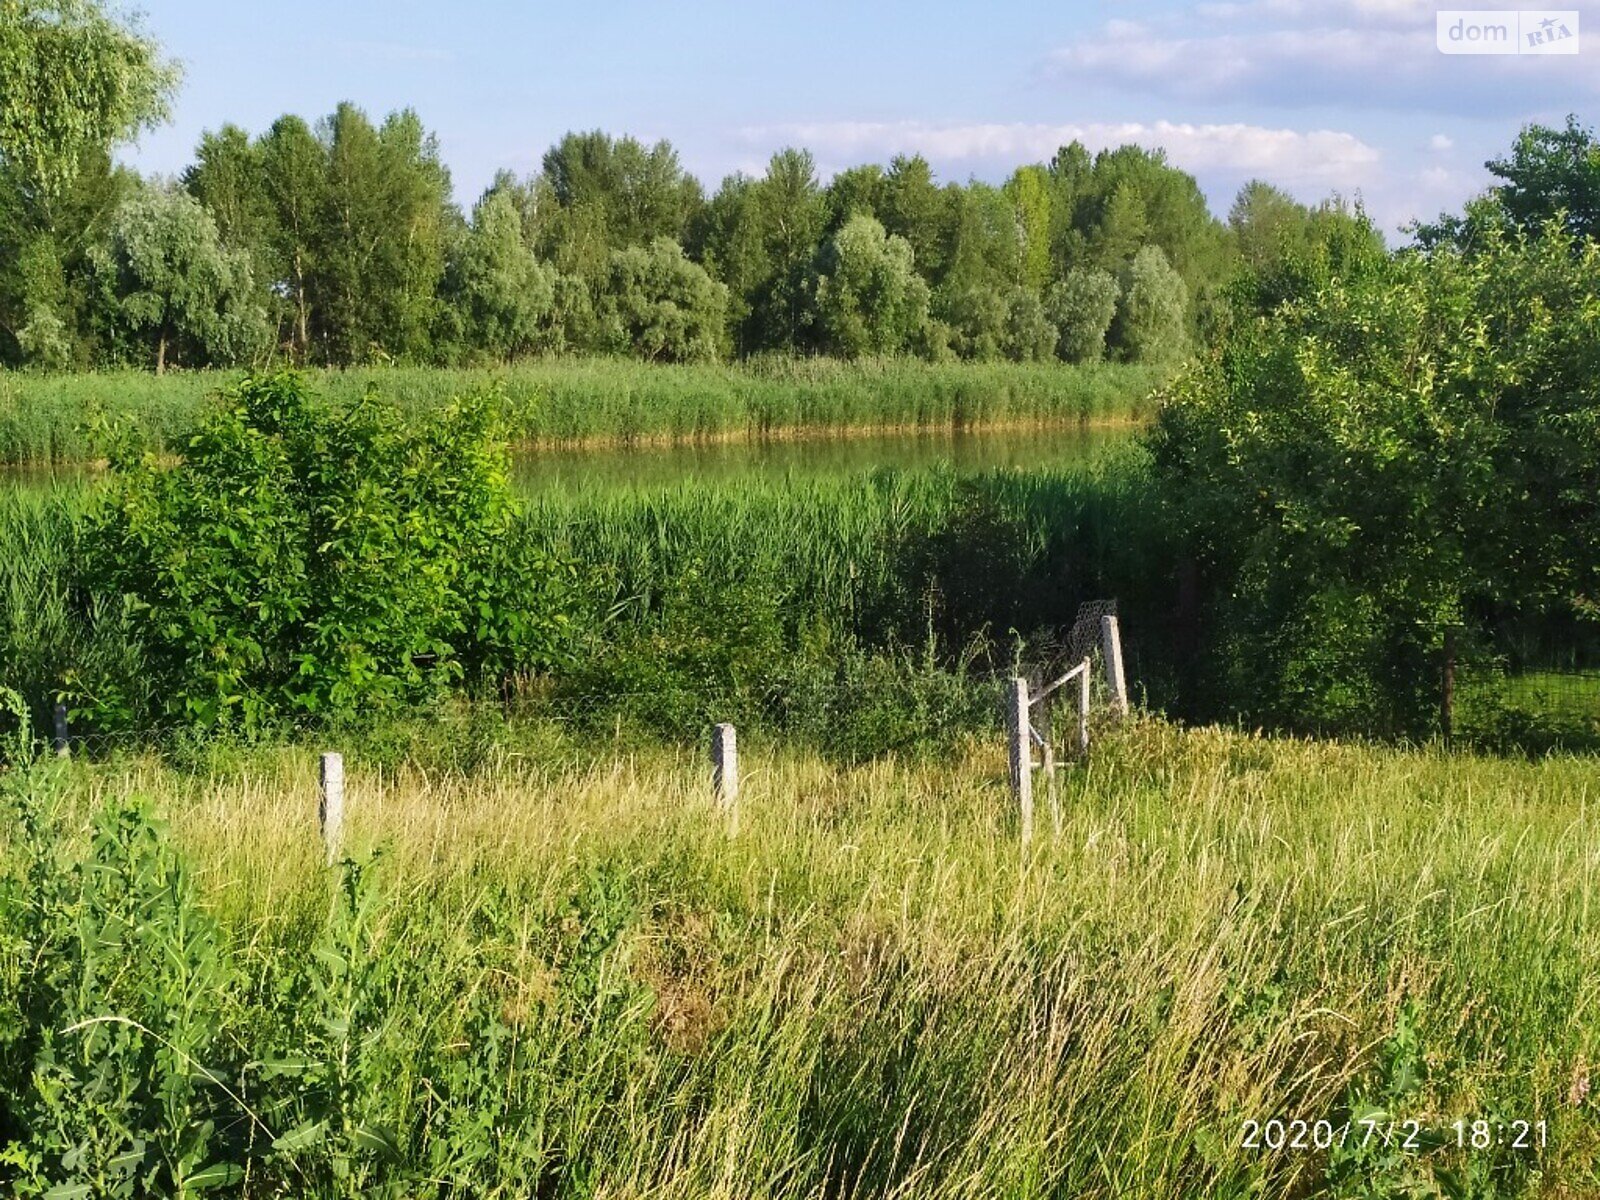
point(869, 989)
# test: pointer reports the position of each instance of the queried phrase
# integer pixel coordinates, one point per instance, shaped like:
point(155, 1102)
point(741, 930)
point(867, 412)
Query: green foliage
point(976, 317)
point(1029, 191)
point(174, 288)
point(659, 306)
point(377, 251)
point(1081, 307)
point(1334, 466)
point(1030, 337)
point(911, 206)
point(76, 78)
point(869, 297)
point(1150, 325)
point(294, 176)
point(1290, 251)
point(309, 561)
point(1550, 174)
point(115, 1030)
point(609, 194)
point(505, 297)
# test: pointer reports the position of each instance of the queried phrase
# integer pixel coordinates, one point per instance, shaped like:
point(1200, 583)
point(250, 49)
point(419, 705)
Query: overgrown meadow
point(560, 972)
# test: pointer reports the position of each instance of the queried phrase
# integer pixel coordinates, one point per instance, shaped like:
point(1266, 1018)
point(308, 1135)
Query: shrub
point(306, 560)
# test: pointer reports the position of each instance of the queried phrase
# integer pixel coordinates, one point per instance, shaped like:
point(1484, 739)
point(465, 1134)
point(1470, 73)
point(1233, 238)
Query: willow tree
point(75, 80)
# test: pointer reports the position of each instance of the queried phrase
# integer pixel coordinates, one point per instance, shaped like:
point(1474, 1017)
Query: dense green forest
point(337, 241)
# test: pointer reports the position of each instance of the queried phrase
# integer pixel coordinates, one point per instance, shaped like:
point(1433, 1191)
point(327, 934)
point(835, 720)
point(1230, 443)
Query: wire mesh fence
point(1471, 689)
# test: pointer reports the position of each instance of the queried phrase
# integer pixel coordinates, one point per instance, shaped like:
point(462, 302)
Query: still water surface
point(650, 466)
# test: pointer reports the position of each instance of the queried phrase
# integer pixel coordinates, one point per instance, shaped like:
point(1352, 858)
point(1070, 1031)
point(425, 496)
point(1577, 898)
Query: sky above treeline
point(1347, 96)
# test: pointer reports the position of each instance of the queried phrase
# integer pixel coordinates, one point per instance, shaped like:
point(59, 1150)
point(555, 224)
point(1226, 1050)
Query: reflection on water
point(664, 465)
point(648, 466)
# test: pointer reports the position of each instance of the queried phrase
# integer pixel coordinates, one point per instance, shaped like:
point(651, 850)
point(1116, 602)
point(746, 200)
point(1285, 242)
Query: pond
point(655, 465)
point(647, 466)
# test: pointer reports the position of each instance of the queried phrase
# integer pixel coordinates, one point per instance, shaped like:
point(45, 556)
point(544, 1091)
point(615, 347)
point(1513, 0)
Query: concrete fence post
point(330, 813)
point(1083, 708)
point(1046, 725)
point(1021, 756)
point(1447, 688)
point(725, 767)
point(1111, 646)
point(63, 740)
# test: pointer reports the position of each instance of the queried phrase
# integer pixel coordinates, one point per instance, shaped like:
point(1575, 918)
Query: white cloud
point(1439, 143)
point(1321, 158)
point(1357, 53)
point(1384, 13)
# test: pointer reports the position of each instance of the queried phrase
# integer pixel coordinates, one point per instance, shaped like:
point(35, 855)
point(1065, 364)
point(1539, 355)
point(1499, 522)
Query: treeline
point(337, 242)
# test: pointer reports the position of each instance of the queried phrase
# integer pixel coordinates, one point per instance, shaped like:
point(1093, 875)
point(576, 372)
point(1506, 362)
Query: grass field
point(560, 975)
point(43, 417)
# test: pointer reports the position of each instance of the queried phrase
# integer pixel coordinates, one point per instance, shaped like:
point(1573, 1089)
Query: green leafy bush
point(305, 560)
point(113, 993)
point(1410, 448)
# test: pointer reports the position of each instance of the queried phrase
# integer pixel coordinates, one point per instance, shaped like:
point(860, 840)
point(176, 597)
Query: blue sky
point(1343, 95)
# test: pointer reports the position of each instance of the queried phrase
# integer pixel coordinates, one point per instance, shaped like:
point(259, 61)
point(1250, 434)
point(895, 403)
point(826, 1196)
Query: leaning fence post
point(725, 767)
point(1018, 729)
point(1111, 645)
point(63, 739)
point(1083, 707)
point(331, 811)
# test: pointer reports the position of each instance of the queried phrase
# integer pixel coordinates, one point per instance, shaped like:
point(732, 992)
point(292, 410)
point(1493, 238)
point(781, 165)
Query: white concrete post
point(330, 814)
point(63, 740)
point(725, 767)
point(1017, 729)
point(1083, 707)
point(1047, 762)
point(1111, 644)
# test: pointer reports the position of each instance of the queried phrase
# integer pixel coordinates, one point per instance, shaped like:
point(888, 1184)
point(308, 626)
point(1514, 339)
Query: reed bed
point(46, 418)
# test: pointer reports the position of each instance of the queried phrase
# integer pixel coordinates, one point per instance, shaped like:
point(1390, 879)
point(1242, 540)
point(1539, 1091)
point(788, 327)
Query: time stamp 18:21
point(1294, 1134)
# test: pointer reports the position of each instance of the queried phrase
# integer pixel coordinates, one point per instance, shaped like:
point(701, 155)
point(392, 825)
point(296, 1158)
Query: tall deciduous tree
point(1030, 336)
point(173, 286)
point(792, 216)
point(913, 207)
point(1081, 308)
point(1267, 223)
point(504, 296)
point(75, 80)
point(870, 299)
point(379, 246)
point(729, 240)
point(1552, 171)
point(611, 193)
point(1150, 326)
point(294, 176)
point(658, 305)
point(1029, 192)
